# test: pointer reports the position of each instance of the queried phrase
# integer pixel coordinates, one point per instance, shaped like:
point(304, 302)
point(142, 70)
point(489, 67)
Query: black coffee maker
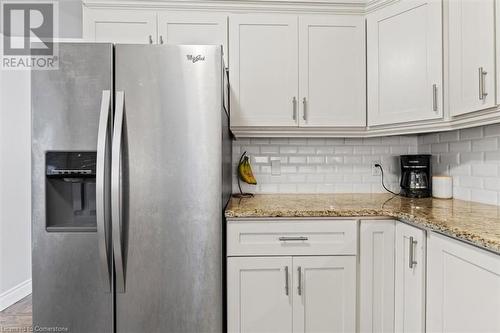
point(416, 174)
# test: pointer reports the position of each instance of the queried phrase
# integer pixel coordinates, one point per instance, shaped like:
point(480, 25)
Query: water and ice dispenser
point(70, 191)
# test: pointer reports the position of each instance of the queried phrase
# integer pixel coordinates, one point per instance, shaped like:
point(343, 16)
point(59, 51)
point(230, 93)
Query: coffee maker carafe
point(416, 176)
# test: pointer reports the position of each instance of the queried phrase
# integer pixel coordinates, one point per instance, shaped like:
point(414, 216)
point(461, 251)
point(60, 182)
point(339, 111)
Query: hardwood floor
point(17, 316)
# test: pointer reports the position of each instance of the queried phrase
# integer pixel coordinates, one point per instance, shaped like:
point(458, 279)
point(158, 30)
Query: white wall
point(15, 184)
point(472, 157)
point(323, 165)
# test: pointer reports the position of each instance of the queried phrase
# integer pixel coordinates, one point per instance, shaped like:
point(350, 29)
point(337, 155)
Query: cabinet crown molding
point(359, 7)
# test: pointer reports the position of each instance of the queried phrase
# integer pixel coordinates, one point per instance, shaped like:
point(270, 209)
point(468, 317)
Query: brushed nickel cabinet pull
point(150, 39)
point(434, 97)
point(482, 74)
point(304, 103)
point(286, 239)
point(294, 103)
point(161, 39)
point(299, 284)
point(411, 253)
point(286, 280)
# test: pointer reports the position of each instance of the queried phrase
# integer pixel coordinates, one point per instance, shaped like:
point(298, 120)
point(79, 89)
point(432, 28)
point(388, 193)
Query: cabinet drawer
point(291, 237)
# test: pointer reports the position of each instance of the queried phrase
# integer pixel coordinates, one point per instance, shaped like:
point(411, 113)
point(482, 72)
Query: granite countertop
point(475, 223)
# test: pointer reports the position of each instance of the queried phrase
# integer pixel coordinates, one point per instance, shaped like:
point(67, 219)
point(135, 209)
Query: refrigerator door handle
point(116, 213)
point(102, 188)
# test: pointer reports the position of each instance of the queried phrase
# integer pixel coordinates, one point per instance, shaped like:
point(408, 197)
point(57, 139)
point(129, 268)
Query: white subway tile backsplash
point(343, 150)
point(471, 133)
point(318, 165)
point(315, 159)
point(440, 147)
point(288, 150)
point(449, 136)
point(460, 147)
point(488, 144)
point(485, 170)
point(335, 165)
point(492, 130)
point(473, 161)
point(485, 196)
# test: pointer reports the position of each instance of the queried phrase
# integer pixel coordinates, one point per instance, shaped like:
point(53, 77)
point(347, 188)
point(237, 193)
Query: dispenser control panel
point(70, 164)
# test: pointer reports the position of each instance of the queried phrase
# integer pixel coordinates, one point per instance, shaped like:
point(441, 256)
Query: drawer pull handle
point(287, 239)
point(286, 280)
point(299, 286)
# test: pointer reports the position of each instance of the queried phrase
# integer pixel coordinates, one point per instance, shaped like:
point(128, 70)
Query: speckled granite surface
point(475, 223)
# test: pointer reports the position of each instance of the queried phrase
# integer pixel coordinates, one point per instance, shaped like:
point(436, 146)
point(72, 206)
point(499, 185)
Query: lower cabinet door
point(259, 294)
point(376, 276)
point(463, 284)
point(409, 279)
point(324, 294)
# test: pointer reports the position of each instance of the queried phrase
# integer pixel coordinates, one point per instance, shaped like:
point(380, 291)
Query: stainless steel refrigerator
point(131, 171)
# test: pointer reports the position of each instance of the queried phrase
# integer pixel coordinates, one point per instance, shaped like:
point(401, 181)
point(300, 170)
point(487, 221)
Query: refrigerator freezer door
point(171, 186)
point(70, 287)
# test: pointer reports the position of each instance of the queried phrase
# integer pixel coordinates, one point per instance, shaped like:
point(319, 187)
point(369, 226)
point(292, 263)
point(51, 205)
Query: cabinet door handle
point(294, 112)
point(286, 280)
point(411, 253)
point(304, 103)
point(150, 39)
point(299, 284)
point(286, 239)
point(161, 39)
point(434, 97)
point(482, 74)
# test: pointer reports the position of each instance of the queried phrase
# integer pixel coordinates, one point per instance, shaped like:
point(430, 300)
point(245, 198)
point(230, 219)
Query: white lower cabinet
point(318, 292)
point(298, 292)
point(391, 277)
point(409, 280)
point(259, 294)
point(376, 276)
point(463, 287)
point(324, 295)
point(409, 315)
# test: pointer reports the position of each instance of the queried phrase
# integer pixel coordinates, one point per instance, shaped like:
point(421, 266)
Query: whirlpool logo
point(195, 58)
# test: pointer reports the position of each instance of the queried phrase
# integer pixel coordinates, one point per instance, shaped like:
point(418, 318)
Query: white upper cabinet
point(120, 26)
point(193, 28)
point(263, 70)
point(409, 279)
point(463, 287)
point(471, 33)
point(404, 47)
point(324, 297)
point(332, 71)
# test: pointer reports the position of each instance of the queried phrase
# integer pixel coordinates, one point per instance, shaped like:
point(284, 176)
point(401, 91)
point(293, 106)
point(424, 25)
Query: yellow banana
point(245, 171)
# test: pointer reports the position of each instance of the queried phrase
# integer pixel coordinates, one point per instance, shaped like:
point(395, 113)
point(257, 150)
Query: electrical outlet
point(275, 167)
point(376, 170)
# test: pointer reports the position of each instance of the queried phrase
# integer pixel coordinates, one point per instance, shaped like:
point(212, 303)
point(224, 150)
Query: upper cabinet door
point(409, 279)
point(332, 71)
point(324, 294)
point(193, 28)
point(404, 46)
point(120, 26)
point(259, 294)
point(263, 70)
point(471, 55)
